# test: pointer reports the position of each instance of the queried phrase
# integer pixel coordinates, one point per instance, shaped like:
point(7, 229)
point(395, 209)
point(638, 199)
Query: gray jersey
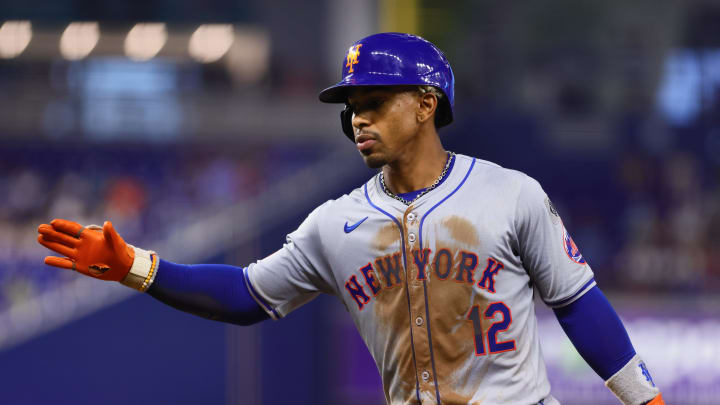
point(441, 291)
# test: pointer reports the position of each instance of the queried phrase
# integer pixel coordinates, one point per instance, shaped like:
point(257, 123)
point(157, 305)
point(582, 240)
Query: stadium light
point(79, 39)
point(14, 38)
point(145, 40)
point(210, 42)
point(249, 55)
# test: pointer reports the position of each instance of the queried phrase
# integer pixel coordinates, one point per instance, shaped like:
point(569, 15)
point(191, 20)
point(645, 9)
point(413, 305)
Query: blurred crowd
point(144, 190)
point(670, 226)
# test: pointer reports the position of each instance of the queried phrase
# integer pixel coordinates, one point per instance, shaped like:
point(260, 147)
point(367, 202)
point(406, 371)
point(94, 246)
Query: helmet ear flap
point(346, 121)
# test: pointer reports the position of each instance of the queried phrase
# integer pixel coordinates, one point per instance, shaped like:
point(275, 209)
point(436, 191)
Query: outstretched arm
point(599, 336)
point(213, 291)
point(217, 292)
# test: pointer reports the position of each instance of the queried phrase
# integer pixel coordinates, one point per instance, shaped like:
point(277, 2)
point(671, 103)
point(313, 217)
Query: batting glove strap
point(143, 270)
point(633, 384)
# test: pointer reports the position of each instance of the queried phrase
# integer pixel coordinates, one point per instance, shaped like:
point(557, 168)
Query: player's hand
point(93, 251)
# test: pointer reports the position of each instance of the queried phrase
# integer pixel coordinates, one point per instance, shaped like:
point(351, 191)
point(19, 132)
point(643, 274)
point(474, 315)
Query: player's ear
point(426, 107)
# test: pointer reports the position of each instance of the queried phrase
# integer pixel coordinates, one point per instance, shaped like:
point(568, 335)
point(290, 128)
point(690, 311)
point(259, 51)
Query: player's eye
point(372, 104)
point(376, 103)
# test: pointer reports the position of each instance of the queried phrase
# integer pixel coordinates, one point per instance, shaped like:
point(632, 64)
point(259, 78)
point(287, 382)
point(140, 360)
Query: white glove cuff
point(143, 270)
point(633, 384)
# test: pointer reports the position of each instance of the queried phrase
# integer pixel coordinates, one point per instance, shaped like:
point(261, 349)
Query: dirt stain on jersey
point(453, 334)
point(452, 330)
point(398, 372)
point(461, 230)
point(386, 237)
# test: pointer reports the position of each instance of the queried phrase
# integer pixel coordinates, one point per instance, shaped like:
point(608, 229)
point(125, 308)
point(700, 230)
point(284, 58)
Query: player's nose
point(360, 121)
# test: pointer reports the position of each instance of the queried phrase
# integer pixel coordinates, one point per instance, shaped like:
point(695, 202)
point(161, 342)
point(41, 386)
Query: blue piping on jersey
point(407, 293)
point(443, 200)
point(427, 310)
point(257, 296)
point(578, 292)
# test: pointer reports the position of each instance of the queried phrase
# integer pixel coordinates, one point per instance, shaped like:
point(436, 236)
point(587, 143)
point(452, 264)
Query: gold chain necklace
point(427, 190)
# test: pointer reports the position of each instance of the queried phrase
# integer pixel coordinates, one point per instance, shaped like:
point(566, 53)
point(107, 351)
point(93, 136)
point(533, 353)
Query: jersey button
point(411, 237)
point(425, 375)
point(411, 216)
point(419, 321)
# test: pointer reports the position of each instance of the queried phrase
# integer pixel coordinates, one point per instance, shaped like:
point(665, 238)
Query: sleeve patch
point(554, 216)
point(571, 248)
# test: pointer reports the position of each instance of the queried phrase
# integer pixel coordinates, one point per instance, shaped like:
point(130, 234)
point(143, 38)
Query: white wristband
point(143, 270)
point(633, 384)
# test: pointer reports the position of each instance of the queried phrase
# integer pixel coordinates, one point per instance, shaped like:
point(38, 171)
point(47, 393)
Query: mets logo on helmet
point(571, 248)
point(352, 56)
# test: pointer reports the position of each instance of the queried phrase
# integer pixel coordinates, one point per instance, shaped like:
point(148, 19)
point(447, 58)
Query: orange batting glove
point(97, 252)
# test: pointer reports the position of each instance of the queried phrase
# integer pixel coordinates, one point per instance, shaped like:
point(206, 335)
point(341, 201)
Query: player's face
point(385, 122)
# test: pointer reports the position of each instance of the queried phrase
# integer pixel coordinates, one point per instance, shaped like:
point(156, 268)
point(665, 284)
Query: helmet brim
point(339, 92)
point(334, 94)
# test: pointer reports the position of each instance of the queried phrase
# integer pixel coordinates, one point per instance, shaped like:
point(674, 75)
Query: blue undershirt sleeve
point(214, 291)
point(597, 333)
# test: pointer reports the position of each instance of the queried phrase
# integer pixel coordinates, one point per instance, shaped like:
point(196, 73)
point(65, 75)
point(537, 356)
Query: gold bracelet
point(151, 273)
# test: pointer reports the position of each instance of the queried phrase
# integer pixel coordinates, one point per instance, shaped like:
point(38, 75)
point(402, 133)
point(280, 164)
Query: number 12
point(502, 325)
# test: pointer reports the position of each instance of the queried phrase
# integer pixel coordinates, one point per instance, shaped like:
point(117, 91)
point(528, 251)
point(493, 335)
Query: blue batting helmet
point(393, 59)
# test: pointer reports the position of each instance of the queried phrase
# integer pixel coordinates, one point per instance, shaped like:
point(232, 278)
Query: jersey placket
point(418, 300)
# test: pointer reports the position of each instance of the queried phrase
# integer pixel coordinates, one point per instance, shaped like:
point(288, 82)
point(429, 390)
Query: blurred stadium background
point(195, 128)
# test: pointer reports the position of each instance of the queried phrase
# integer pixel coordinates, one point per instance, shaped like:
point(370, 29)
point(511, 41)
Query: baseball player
point(437, 257)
